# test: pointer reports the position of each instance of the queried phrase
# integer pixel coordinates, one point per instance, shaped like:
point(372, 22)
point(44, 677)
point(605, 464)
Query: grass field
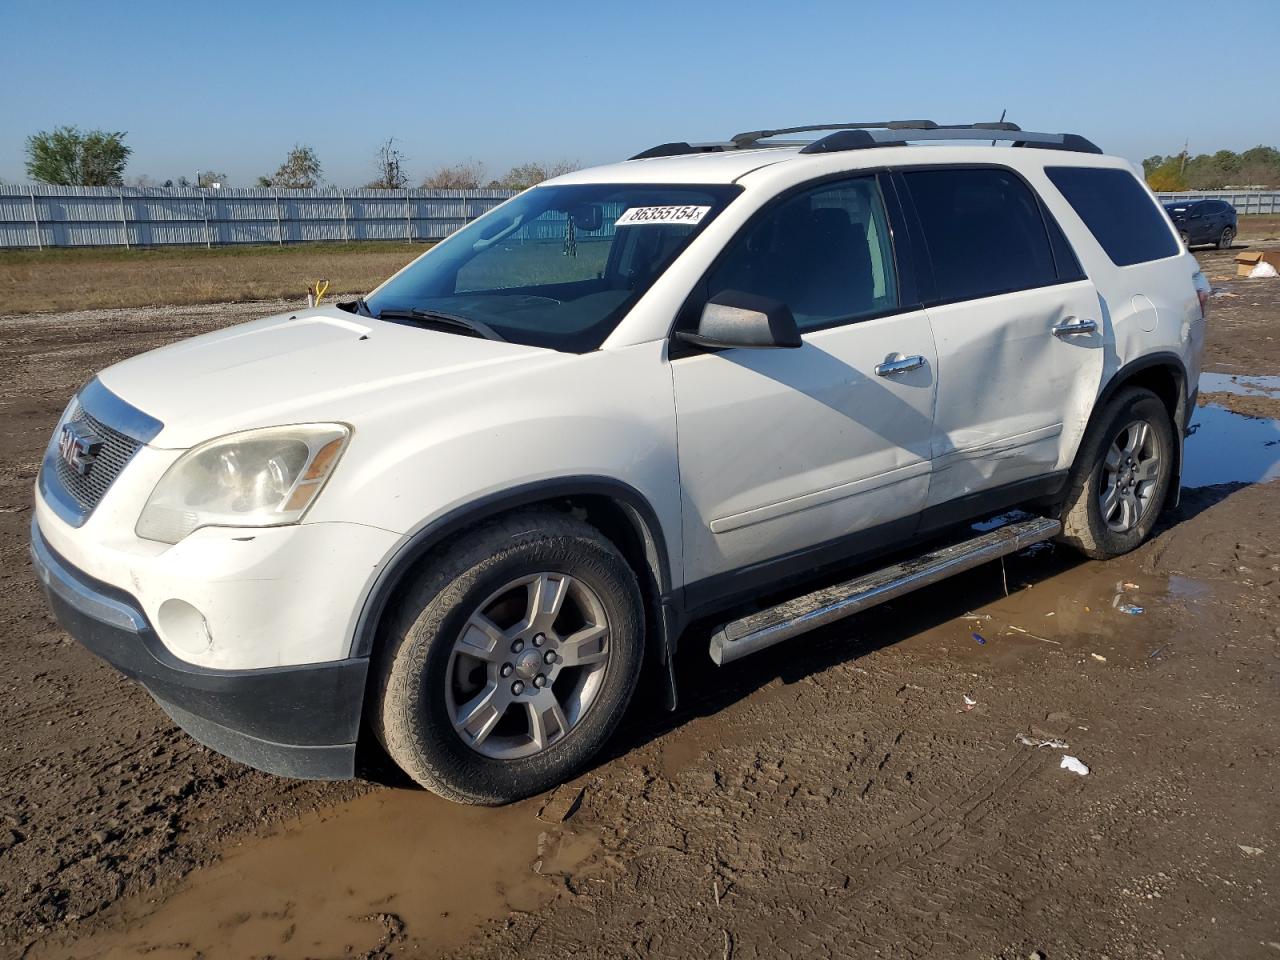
point(70, 279)
point(57, 280)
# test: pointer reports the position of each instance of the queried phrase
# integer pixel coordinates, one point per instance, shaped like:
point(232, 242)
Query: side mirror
point(735, 319)
point(587, 216)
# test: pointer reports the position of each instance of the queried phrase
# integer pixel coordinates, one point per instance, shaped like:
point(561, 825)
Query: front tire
point(511, 661)
point(1121, 477)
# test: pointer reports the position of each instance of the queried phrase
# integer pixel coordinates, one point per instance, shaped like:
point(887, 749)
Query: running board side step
point(764, 628)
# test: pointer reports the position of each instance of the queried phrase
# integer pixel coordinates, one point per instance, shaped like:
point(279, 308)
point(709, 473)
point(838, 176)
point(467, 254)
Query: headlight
point(259, 478)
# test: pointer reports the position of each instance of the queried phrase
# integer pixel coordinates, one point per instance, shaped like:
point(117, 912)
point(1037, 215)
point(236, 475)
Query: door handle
point(1071, 327)
point(896, 363)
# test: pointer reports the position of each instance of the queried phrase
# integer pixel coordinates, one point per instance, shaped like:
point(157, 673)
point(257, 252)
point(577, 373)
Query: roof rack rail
point(882, 133)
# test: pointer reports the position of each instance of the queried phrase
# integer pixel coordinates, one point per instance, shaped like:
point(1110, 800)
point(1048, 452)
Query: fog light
point(184, 627)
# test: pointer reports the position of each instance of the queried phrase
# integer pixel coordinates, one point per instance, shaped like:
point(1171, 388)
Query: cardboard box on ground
point(1251, 258)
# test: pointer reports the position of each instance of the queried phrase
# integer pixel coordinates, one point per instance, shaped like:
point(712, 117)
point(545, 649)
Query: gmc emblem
point(78, 446)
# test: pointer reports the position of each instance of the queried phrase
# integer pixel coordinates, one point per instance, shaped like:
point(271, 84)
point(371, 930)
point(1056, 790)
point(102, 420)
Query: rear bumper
point(297, 721)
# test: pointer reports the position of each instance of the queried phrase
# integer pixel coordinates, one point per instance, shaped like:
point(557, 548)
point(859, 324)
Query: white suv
point(461, 514)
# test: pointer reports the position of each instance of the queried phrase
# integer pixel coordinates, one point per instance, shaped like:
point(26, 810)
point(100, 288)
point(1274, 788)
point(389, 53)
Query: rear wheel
point(513, 660)
point(1225, 238)
point(1186, 239)
point(1121, 477)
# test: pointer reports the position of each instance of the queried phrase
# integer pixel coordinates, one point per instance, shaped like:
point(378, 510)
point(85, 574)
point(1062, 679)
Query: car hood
point(312, 365)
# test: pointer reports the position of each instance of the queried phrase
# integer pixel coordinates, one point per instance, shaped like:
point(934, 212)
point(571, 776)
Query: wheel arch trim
point(633, 504)
point(1125, 374)
point(1180, 415)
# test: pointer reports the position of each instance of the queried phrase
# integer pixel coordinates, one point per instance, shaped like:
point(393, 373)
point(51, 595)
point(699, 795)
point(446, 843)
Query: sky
point(231, 86)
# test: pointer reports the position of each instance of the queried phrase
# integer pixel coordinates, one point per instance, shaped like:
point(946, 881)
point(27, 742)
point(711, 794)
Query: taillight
point(1203, 289)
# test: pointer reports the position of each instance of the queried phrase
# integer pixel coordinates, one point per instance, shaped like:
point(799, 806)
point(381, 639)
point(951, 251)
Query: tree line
point(1256, 167)
point(68, 156)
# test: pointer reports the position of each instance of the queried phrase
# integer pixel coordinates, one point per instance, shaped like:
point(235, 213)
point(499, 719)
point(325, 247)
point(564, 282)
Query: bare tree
point(390, 167)
point(466, 175)
point(209, 177)
point(525, 175)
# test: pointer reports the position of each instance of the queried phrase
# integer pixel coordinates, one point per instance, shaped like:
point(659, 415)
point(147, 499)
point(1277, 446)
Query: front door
point(783, 451)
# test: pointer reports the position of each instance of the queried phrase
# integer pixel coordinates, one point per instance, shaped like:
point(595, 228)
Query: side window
point(1120, 214)
point(984, 232)
point(825, 253)
point(1064, 257)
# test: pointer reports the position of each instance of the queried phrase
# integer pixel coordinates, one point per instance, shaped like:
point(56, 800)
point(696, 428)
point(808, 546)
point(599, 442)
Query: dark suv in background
point(1204, 221)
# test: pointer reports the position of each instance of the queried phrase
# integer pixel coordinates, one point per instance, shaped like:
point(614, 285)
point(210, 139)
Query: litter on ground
point(1037, 742)
point(1074, 765)
point(1033, 636)
point(1132, 609)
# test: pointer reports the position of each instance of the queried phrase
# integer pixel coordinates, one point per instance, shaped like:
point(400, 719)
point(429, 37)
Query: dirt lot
point(840, 798)
point(80, 279)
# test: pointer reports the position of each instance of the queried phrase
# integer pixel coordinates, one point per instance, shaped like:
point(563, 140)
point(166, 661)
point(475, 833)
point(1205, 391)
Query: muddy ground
point(839, 798)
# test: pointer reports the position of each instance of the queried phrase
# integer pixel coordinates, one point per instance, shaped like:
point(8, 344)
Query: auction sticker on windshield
point(634, 216)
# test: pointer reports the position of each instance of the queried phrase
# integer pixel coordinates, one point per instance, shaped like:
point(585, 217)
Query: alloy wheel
point(528, 665)
point(1130, 476)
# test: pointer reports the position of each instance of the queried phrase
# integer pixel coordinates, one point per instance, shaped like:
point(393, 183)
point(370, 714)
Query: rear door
point(1204, 223)
point(1018, 328)
point(786, 454)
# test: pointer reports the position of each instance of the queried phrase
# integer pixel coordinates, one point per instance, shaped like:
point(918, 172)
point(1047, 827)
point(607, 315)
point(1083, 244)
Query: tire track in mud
point(834, 801)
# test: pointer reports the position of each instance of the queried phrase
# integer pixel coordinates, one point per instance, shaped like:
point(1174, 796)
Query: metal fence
point(41, 216)
point(1245, 201)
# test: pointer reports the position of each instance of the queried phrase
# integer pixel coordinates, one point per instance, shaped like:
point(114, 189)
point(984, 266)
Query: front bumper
point(297, 721)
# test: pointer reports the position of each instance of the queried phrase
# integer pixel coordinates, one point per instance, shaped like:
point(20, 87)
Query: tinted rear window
point(1119, 213)
point(984, 232)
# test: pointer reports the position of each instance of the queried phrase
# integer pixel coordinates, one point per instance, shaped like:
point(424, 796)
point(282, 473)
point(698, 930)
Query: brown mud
point(839, 796)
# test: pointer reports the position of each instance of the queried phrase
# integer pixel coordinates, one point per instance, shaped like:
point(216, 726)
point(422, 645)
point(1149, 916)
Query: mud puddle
point(1229, 447)
point(1242, 385)
point(1104, 612)
point(391, 872)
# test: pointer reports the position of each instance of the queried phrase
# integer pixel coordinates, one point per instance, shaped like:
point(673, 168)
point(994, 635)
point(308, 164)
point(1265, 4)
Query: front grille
point(116, 452)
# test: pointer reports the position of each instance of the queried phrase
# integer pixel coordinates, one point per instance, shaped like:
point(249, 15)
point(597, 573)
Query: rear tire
point(1121, 476)
point(1186, 239)
point(511, 660)
point(1226, 238)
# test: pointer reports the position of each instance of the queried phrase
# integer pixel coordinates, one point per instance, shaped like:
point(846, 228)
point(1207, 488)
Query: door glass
point(984, 232)
point(825, 253)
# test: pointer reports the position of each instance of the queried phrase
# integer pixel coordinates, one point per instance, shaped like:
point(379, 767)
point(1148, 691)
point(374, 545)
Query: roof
point(866, 144)
point(690, 168)
point(732, 165)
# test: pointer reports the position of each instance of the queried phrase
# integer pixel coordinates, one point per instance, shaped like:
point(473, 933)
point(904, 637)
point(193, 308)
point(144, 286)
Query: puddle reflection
point(1230, 448)
point(1243, 385)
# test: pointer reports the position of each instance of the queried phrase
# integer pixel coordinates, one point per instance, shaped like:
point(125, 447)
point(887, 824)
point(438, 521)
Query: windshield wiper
point(356, 306)
point(434, 317)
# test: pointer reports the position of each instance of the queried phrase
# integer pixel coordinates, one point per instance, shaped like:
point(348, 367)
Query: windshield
point(557, 266)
